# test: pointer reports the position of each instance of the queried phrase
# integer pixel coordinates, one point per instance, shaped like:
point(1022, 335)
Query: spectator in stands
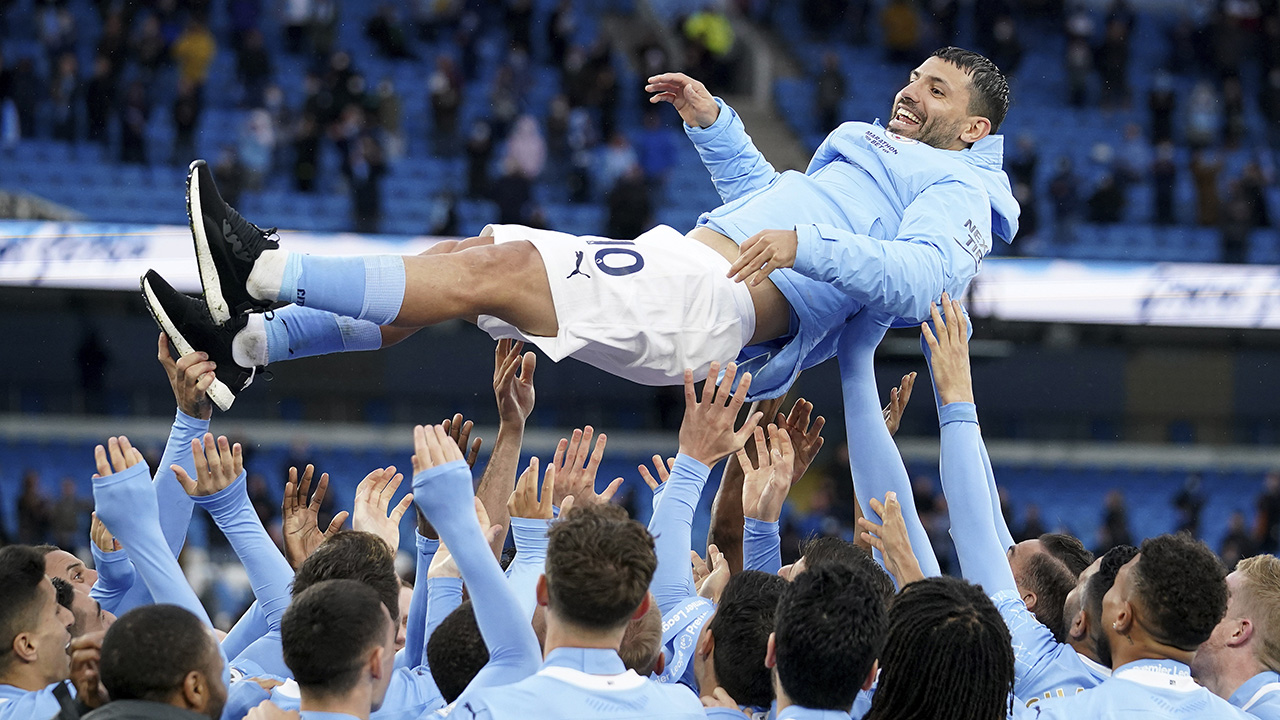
point(1079, 63)
point(57, 31)
point(1162, 103)
point(445, 89)
point(24, 89)
point(1115, 524)
point(187, 107)
point(1189, 503)
point(253, 67)
point(387, 32)
point(444, 223)
point(1206, 167)
point(1063, 192)
point(1237, 224)
point(1164, 179)
point(1113, 63)
point(512, 192)
point(582, 143)
point(65, 95)
point(245, 16)
point(257, 146)
point(504, 102)
point(68, 516)
point(1234, 125)
point(656, 150)
point(710, 41)
point(479, 154)
point(1266, 525)
point(831, 92)
point(946, 14)
point(618, 159)
point(1269, 103)
point(560, 30)
point(100, 99)
point(1032, 527)
point(519, 22)
point(363, 166)
point(526, 150)
point(1106, 203)
point(630, 206)
point(1237, 544)
point(231, 171)
point(1254, 182)
point(135, 113)
point(1134, 157)
point(1204, 116)
point(194, 51)
point(33, 511)
point(296, 16)
point(1006, 48)
point(900, 22)
point(306, 154)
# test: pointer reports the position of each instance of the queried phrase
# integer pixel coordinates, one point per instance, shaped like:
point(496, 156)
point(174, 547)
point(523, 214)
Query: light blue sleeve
point(873, 457)
point(445, 496)
point(251, 626)
point(35, 705)
point(761, 546)
point(116, 577)
point(737, 168)
point(964, 484)
point(175, 503)
point(269, 572)
point(242, 696)
point(672, 530)
point(530, 536)
point(415, 631)
point(903, 277)
point(127, 505)
point(723, 713)
point(264, 656)
point(444, 595)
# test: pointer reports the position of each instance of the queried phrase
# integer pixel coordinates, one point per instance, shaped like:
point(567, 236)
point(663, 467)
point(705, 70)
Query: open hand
point(663, 472)
point(513, 381)
point(433, 447)
point(373, 510)
point(712, 584)
point(576, 469)
point(898, 398)
point(190, 377)
point(764, 488)
point(300, 518)
point(217, 466)
point(697, 106)
point(806, 438)
point(525, 502)
point(892, 540)
point(763, 253)
point(706, 433)
point(119, 455)
point(949, 352)
point(460, 432)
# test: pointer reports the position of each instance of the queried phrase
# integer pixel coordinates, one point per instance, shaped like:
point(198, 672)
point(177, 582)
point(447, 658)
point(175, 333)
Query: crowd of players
point(596, 615)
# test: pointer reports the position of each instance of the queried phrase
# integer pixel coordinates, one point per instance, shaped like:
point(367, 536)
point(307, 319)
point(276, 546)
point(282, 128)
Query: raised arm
point(874, 460)
point(764, 489)
point(707, 436)
point(189, 376)
point(737, 168)
point(531, 517)
point(513, 389)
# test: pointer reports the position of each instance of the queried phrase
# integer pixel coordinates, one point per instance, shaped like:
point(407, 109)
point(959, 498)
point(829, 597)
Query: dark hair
point(21, 574)
point(66, 594)
point(830, 627)
point(456, 651)
point(599, 565)
point(1051, 581)
point(1182, 587)
point(45, 549)
point(741, 627)
point(1096, 588)
point(327, 633)
point(1069, 550)
point(988, 88)
point(830, 549)
point(353, 555)
point(936, 626)
point(642, 641)
point(148, 652)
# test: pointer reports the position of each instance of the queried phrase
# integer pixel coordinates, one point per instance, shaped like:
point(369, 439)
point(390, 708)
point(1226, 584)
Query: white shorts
point(642, 309)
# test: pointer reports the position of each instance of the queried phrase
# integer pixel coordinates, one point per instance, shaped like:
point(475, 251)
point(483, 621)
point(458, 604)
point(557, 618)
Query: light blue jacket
point(883, 222)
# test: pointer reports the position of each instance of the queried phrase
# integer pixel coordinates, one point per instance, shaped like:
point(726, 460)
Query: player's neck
point(561, 634)
point(1236, 667)
point(355, 703)
point(1137, 646)
point(27, 676)
point(1084, 646)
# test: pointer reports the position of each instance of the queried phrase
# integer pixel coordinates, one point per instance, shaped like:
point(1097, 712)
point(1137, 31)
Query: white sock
point(249, 346)
point(267, 277)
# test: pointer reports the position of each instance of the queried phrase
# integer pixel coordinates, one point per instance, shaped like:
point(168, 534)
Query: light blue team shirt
point(1141, 690)
point(581, 683)
point(318, 715)
point(1259, 696)
point(410, 693)
point(19, 704)
point(864, 188)
point(795, 712)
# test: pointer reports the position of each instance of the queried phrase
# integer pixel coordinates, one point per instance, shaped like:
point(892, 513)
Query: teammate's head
point(1248, 638)
point(954, 99)
point(1093, 586)
point(1044, 581)
point(88, 613)
point(829, 549)
point(456, 651)
point(34, 628)
point(1172, 594)
point(641, 648)
point(339, 639)
point(353, 555)
point(937, 625)
point(830, 627)
point(1069, 550)
point(734, 643)
point(599, 564)
point(61, 564)
point(406, 597)
point(164, 654)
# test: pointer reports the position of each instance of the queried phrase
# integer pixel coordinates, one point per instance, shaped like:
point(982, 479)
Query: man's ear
point(975, 128)
point(195, 691)
point(375, 662)
point(1124, 619)
point(660, 664)
point(540, 591)
point(771, 652)
point(1079, 629)
point(24, 649)
point(871, 676)
point(706, 642)
point(1029, 599)
point(644, 608)
point(1242, 633)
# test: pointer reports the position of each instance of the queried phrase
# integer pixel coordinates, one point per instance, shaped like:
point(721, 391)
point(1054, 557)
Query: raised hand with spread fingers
point(373, 511)
point(300, 517)
point(576, 469)
point(891, 539)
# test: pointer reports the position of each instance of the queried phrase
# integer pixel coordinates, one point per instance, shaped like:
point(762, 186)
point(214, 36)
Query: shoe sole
point(213, 297)
point(218, 391)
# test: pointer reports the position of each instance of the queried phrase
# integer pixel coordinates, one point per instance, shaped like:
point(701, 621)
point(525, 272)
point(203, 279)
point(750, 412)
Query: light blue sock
point(365, 287)
point(294, 332)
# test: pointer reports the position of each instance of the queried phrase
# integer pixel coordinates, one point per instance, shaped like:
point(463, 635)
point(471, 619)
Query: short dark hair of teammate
point(65, 594)
point(829, 549)
point(830, 627)
point(1069, 550)
point(32, 623)
point(1096, 589)
point(164, 654)
point(988, 88)
point(353, 555)
point(599, 565)
point(948, 655)
point(456, 651)
point(333, 634)
point(1051, 581)
point(1182, 589)
point(740, 628)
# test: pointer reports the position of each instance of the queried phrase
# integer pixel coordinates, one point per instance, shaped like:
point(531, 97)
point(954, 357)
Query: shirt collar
point(319, 715)
point(795, 712)
point(1245, 692)
point(593, 661)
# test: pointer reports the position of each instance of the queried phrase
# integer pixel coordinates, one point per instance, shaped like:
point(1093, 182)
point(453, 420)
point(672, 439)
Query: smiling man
point(885, 218)
point(35, 631)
